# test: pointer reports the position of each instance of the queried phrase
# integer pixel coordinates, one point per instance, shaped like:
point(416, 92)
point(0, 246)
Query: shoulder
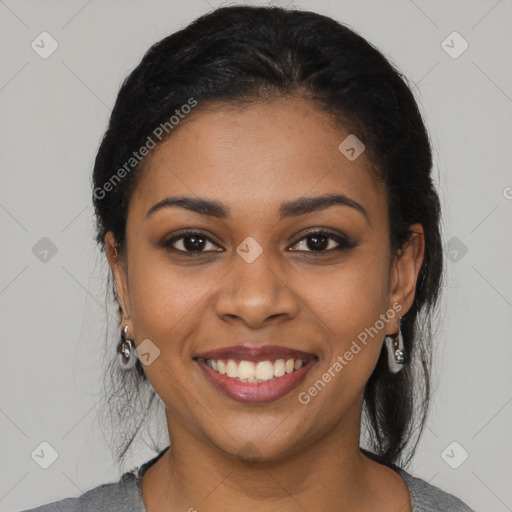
point(119, 496)
point(428, 498)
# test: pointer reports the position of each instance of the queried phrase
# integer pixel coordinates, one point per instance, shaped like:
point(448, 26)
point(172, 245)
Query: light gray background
point(53, 321)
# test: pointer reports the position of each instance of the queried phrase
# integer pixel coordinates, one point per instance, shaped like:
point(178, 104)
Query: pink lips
point(260, 392)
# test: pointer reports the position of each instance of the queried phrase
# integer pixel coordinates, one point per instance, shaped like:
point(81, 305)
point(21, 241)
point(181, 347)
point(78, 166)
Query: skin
point(296, 457)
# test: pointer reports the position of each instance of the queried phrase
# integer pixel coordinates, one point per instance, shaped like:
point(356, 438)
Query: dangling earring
point(397, 354)
point(126, 351)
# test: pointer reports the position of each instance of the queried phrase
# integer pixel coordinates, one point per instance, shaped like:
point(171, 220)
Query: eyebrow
point(294, 208)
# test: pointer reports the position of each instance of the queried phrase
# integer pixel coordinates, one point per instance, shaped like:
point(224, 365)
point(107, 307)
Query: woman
point(264, 198)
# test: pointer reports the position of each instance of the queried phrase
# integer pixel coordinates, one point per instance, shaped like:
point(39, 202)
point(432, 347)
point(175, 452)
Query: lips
point(279, 370)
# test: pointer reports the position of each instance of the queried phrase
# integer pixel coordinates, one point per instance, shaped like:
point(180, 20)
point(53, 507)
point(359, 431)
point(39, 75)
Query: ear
point(118, 267)
point(404, 273)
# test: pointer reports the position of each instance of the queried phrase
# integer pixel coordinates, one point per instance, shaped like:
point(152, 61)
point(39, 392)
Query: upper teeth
point(249, 371)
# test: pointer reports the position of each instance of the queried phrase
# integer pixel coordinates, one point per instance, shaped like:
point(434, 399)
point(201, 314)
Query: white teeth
point(264, 370)
point(232, 369)
point(279, 368)
point(249, 371)
point(246, 370)
point(221, 367)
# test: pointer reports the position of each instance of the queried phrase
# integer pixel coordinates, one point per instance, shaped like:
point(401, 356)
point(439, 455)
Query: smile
point(255, 375)
point(255, 372)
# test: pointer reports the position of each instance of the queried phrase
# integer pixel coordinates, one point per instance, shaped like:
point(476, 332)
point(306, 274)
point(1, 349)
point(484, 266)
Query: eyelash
point(343, 242)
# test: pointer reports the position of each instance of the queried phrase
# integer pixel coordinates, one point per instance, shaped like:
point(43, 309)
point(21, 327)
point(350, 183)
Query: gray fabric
point(125, 496)
point(427, 498)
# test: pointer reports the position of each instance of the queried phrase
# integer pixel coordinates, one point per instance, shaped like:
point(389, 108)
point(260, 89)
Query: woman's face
point(250, 277)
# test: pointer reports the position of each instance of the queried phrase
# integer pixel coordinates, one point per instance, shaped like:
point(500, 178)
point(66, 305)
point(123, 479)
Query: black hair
point(240, 54)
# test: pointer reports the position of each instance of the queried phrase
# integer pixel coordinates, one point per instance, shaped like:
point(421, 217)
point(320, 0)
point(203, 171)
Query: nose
point(256, 293)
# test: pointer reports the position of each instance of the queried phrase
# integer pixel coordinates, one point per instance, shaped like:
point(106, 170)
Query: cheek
point(166, 300)
point(349, 303)
point(348, 298)
point(167, 307)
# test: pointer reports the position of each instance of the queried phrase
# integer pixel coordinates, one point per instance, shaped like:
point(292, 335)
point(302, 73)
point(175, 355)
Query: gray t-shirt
point(125, 495)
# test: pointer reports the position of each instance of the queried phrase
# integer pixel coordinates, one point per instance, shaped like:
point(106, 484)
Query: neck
point(328, 474)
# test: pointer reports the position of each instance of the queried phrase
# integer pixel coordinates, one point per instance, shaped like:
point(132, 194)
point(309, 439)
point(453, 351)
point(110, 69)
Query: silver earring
point(126, 351)
point(397, 354)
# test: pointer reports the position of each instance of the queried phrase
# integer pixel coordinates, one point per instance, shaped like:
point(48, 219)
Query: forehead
point(257, 157)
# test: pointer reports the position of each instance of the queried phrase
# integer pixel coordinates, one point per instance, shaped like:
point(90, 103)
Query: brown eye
point(322, 241)
point(190, 242)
